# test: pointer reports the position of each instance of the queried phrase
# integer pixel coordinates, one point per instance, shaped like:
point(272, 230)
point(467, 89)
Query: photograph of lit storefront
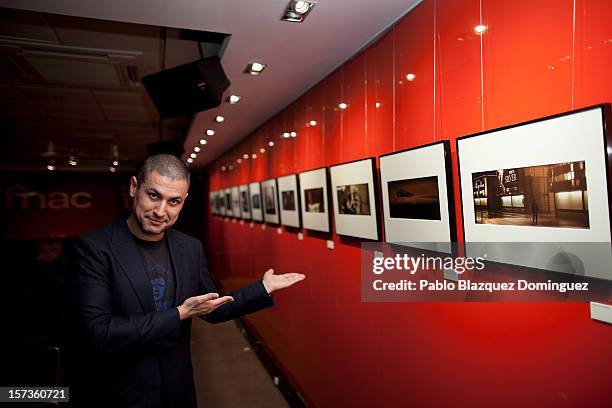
point(553, 195)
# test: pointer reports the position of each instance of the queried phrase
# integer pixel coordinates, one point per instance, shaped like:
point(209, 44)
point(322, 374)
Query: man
point(137, 283)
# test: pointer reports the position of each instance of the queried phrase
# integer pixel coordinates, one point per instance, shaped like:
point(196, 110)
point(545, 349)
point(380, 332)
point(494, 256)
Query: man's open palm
point(274, 282)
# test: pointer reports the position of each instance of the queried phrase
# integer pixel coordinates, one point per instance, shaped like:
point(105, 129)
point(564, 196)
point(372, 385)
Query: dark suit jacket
point(131, 355)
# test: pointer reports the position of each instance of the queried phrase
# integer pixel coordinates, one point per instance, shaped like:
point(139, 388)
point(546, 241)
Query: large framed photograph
point(354, 199)
point(213, 202)
point(270, 201)
point(418, 198)
point(543, 183)
point(289, 201)
point(245, 208)
point(228, 202)
point(256, 202)
point(314, 201)
point(236, 202)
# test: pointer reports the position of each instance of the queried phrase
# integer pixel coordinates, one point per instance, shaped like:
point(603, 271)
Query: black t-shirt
point(159, 270)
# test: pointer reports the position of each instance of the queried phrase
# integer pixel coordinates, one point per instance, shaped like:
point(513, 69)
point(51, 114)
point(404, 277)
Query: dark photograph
point(416, 198)
point(245, 201)
point(255, 202)
point(269, 193)
point(551, 195)
point(314, 200)
point(288, 200)
point(354, 199)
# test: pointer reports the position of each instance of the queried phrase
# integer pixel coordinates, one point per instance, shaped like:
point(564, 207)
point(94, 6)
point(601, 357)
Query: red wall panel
point(341, 352)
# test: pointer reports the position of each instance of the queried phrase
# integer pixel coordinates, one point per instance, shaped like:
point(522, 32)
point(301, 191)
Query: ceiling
point(86, 98)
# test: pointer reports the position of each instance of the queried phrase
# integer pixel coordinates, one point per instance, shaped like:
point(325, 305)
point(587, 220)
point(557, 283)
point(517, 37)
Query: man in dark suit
point(137, 283)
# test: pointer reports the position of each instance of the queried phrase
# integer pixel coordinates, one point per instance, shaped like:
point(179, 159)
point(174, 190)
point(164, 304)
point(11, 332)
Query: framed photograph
point(236, 202)
point(228, 203)
point(289, 201)
point(418, 198)
point(256, 203)
point(213, 202)
point(354, 199)
point(245, 208)
point(542, 183)
point(270, 201)
point(314, 201)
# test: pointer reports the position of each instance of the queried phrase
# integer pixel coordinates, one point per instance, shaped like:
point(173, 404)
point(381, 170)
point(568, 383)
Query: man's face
point(157, 202)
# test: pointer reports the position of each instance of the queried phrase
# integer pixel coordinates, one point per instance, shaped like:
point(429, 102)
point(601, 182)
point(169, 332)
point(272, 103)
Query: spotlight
point(293, 134)
point(270, 143)
point(115, 163)
point(313, 123)
point(50, 167)
point(286, 135)
point(189, 160)
point(297, 10)
point(342, 105)
point(255, 68)
point(203, 141)
point(210, 132)
point(262, 150)
point(480, 29)
point(410, 77)
point(193, 155)
point(234, 99)
point(219, 118)
point(196, 149)
point(72, 160)
point(254, 156)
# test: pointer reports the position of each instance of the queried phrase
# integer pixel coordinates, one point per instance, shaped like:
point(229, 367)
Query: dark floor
point(227, 371)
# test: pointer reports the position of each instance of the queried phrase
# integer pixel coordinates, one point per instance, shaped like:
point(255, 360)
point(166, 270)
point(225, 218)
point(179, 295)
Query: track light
point(255, 68)
point(297, 10)
point(234, 99)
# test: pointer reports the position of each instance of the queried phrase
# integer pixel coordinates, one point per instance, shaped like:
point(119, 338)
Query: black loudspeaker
point(188, 88)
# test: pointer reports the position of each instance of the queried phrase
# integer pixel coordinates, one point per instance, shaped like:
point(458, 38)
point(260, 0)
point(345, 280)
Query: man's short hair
point(165, 165)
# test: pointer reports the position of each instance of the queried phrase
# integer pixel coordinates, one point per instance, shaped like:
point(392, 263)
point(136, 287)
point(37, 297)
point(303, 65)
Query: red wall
point(537, 58)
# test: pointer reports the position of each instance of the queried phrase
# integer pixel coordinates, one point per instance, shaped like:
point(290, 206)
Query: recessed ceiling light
point(234, 99)
point(297, 10)
point(210, 132)
point(193, 155)
point(203, 141)
point(410, 77)
point(239, 160)
point(223, 168)
point(189, 160)
point(286, 135)
point(342, 105)
point(270, 143)
point(245, 156)
point(479, 29)
point(255, 68)
point(262, 150)
point(293, 134)
point(313, 123)
point(196, 149)
point(219, 118)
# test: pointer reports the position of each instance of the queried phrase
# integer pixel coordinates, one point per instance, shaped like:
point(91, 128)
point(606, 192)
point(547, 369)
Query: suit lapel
point(177, 257)
point(132, 262)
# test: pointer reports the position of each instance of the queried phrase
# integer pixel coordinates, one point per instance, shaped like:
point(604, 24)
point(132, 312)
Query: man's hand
point(198, 305)
point(274, 282)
